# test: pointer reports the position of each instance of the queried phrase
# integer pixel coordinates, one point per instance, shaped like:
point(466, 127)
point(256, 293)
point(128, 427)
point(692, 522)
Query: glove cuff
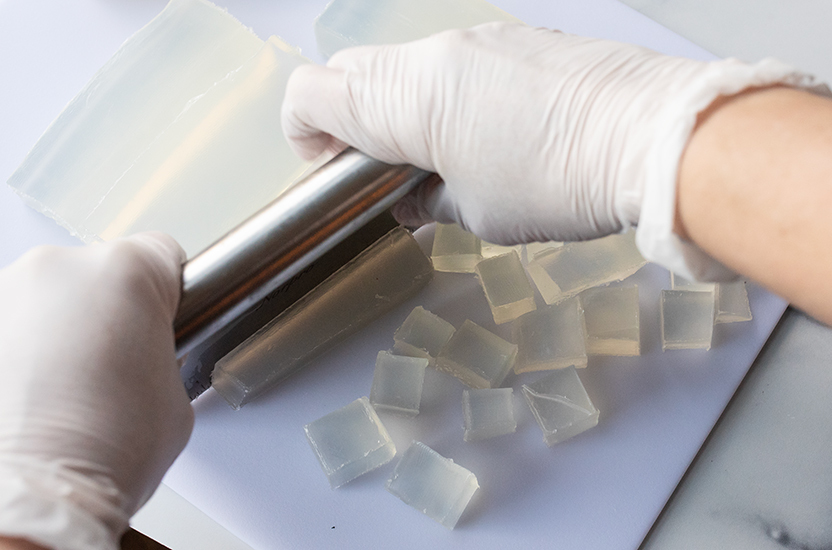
point(56, 508)
point(654, 236)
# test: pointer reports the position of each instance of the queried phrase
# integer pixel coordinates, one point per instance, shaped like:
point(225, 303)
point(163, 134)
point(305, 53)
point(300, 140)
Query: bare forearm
point(755, 190)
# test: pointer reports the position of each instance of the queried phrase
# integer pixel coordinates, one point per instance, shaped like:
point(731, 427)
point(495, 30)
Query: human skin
point(755, 189)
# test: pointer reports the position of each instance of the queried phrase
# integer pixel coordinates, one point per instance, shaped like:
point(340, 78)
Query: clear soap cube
point(533, 249)
point(346, 23)
point(687, 319)
point(563, 272)
point(560, 405)
point(422, 334)
point(488, 413)
point(433, 484)
point(732, 303)
point(489, 250)
point(680, 283)
point(612, 320)
point(455, 249)
point(350, 442)
point(397, 383)
point(479, 358)
point(506, 287)
point(553, 337)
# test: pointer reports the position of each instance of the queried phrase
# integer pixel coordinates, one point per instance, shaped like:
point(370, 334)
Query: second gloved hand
point(538, 135)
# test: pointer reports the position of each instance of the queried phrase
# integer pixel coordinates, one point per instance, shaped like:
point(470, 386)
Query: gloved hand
point(93, 411)
point(538, 135)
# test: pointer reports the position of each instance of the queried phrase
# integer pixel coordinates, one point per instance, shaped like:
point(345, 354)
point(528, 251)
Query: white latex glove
point(538, 135)
point(93, 411)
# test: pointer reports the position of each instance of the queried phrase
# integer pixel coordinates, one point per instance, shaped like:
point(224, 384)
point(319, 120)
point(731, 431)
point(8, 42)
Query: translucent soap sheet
point(178, 132)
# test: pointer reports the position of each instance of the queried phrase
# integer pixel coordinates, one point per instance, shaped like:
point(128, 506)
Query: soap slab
point(433, 484)
point(535, 249)
point(563, 272)
point(397, 383)
point(350, 442)
point(687, 319)
point(506, 287)
point(553, 337)
point(178, 132)
point(386, 274)
point(488, 413)
point(455, 250)
point(347, 23)
point(612, 320)
point(489, 250)
point(422, 334)
point(732, 303)
point(560, 405)
point(680, 283)
point(479, 358)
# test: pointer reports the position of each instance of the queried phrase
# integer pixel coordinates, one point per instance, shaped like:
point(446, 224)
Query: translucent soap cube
point(506, 287)
point(433, 484)
point(488, 413)
point(455, 249)
point(687, 319)
point(422, 334)
point(397, 383)
point(560, 405)
point(680, 283)
point(479, 358)
point(553, 337)
point(350, 442)
point(533, 249)
point(732, 303)
point(612, 320)
point(489, 250)
point(564, 272)
point(347, 23)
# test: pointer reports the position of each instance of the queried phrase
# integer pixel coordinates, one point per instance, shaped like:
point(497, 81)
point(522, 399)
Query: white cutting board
point(253, 471)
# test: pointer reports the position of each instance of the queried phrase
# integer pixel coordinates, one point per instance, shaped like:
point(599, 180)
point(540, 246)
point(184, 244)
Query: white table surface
point(252, 470)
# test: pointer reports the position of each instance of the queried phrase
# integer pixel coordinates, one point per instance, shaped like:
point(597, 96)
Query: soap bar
point(560, 405)
point(479, 358)
point(535, 249)
point(506, 287)
point(422, 334)
point(612, 320)
point(488, 413)
point(374, 282)
point(350, 442)
point(489, 250)
point(553, 337)
point(433, 484)
point(178, 132)
point(687, 319)
point(397, 383)
point(732, 303)
point(680, 283)
point(564, 272)
point(347, 23)
point(455, 249)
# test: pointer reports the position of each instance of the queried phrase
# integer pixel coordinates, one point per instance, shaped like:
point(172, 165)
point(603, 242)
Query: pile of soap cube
point(582, 316)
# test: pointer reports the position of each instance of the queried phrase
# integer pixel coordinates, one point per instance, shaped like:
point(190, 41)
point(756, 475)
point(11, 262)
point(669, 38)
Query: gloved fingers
point(429, 202)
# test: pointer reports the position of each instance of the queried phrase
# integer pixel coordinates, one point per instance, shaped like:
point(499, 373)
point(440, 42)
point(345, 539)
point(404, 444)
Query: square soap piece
point(612, 321)
point(687, 319)
point(553, 337)
point(422, 334)
point(560, 405)
point(563, 272)
point(489, 250)
point(479, 358)
point(433, 484)
point(488, 413)
point(506, 287)
point(680, 283)
point(732, 303)
point(534, 249)
point(455, 249)
point(350, 442)
point(397, 383)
